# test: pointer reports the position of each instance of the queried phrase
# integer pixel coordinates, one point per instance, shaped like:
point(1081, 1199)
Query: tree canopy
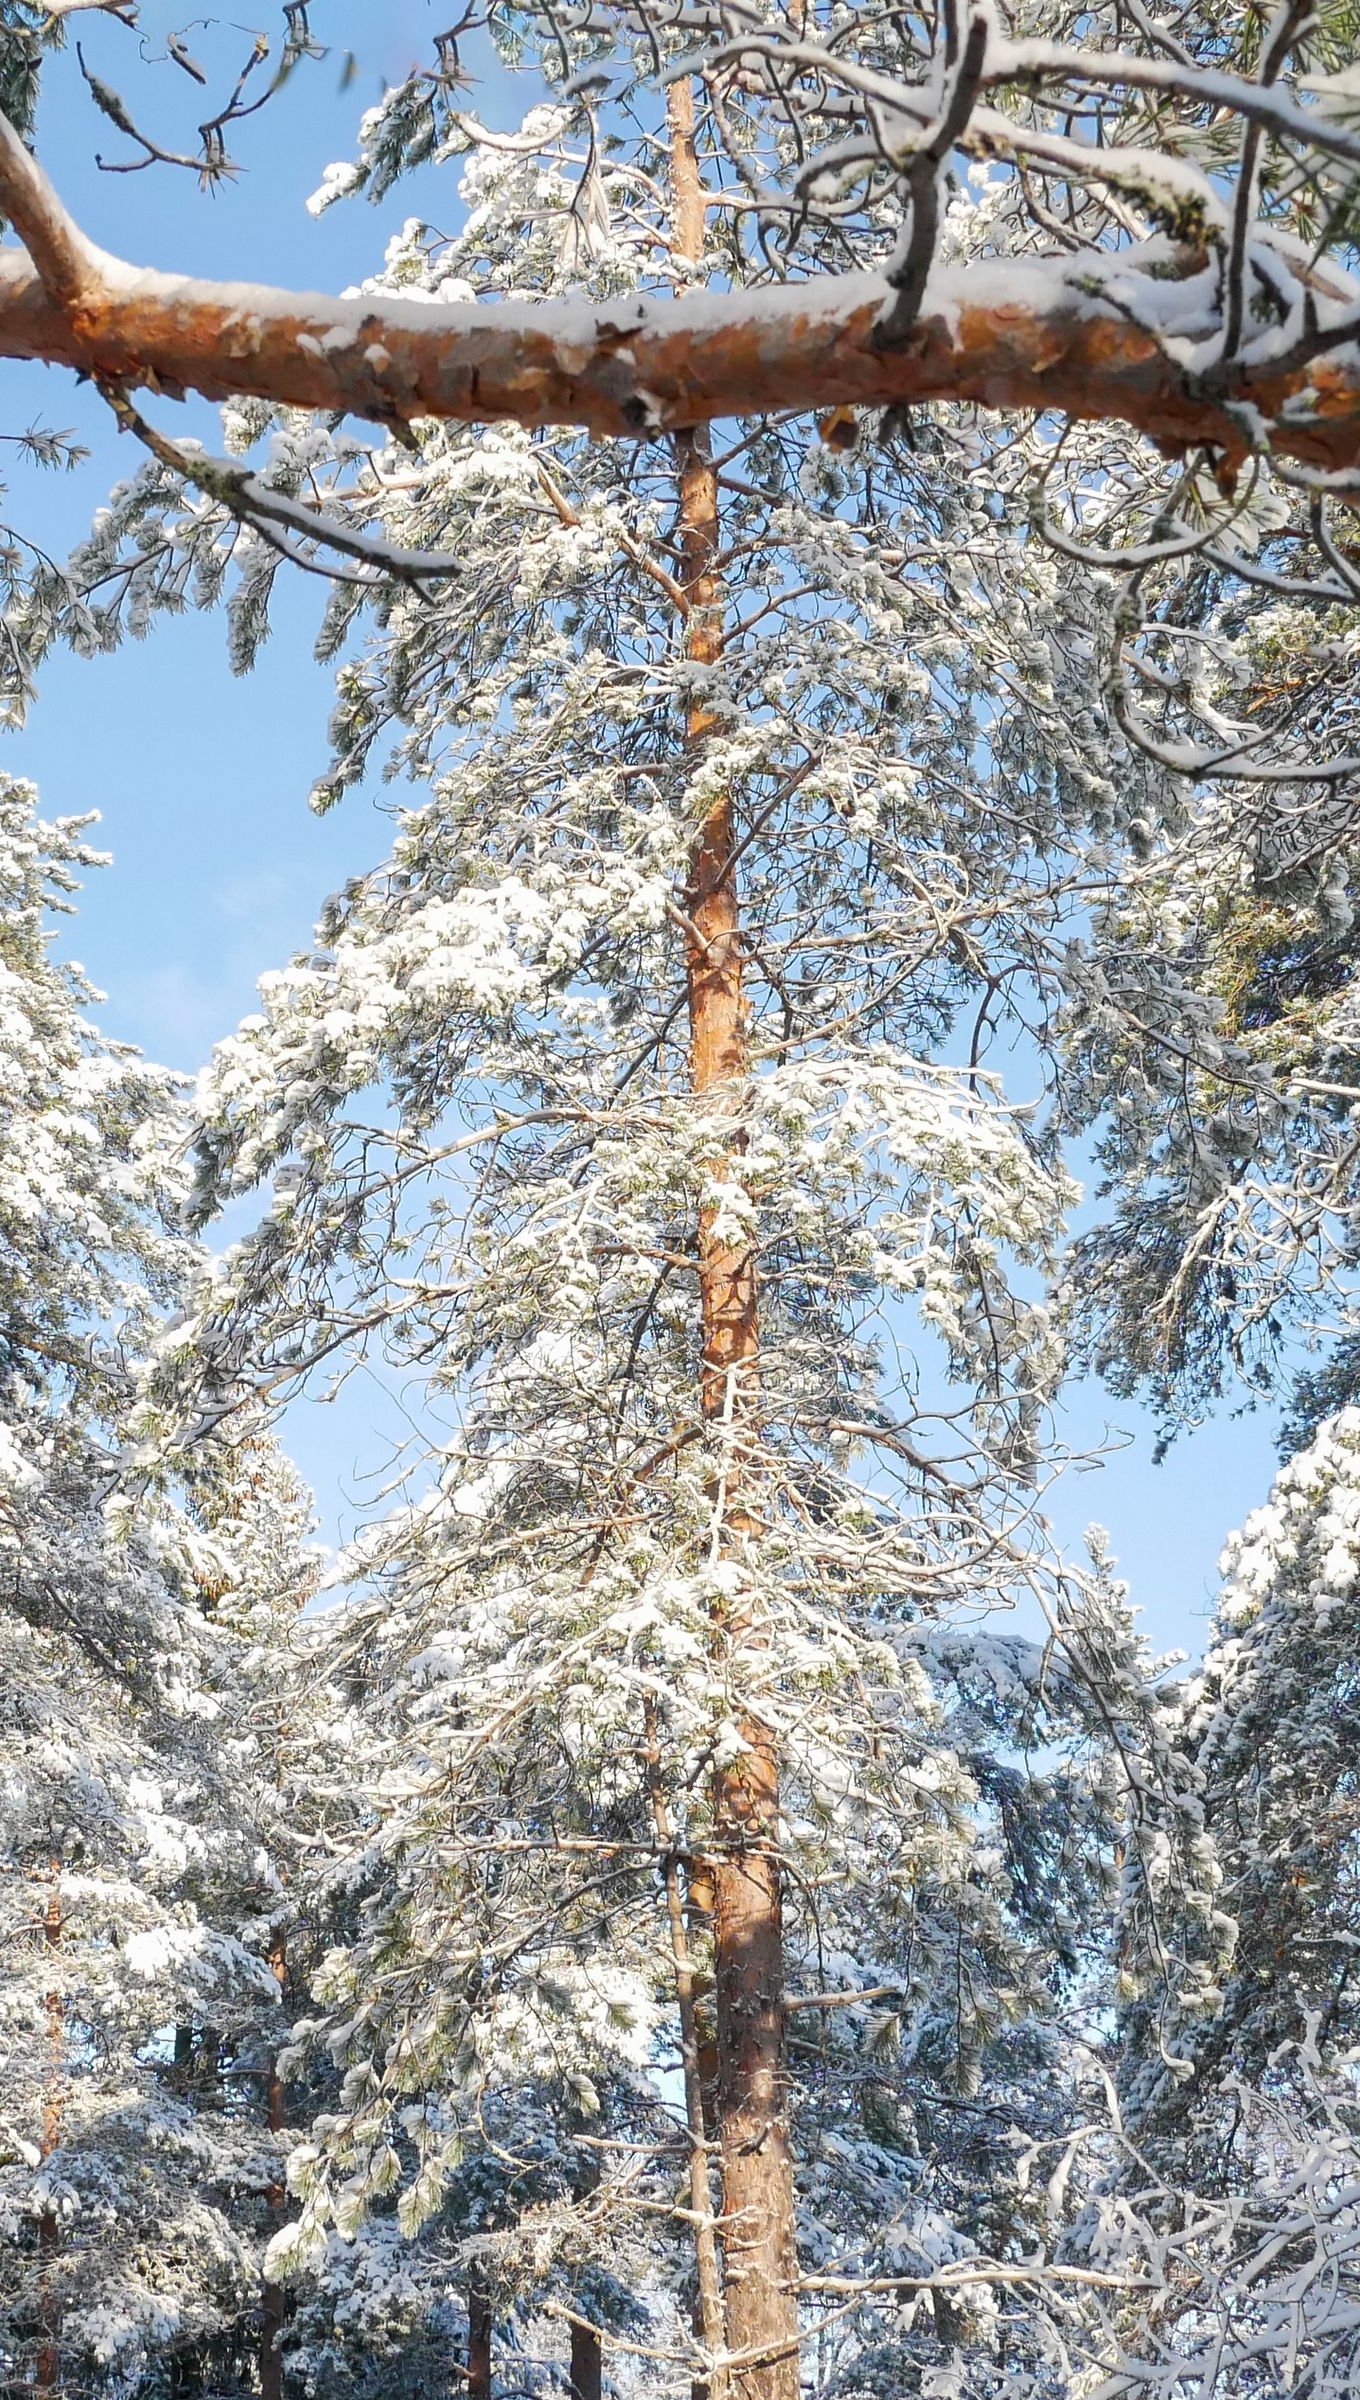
point(846, 566)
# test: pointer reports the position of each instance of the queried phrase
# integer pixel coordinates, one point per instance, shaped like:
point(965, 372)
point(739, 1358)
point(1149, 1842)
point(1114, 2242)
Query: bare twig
point(923, 185)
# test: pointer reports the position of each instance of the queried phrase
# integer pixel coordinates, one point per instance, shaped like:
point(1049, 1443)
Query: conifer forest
point(833, 527)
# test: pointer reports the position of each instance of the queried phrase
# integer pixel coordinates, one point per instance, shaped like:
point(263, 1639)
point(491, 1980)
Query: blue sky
point(201, 780)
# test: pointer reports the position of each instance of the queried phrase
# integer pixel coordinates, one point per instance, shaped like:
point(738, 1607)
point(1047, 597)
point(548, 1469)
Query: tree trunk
point(709, 2317)
point(585, 2376)
point(271, 2356)
point(699, 1918)
point(587, 2380)
point(479, 2338)
point(759, 2241)
point(273, 2300)
point(47, 2373)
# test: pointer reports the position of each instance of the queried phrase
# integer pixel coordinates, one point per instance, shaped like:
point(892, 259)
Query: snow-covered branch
point(1109, 337)
point(1031, 335)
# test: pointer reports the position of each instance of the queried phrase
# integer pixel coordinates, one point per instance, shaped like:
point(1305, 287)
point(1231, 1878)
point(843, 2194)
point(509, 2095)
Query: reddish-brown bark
point(758, 2240)
point(480, 2328)
point(659, 364)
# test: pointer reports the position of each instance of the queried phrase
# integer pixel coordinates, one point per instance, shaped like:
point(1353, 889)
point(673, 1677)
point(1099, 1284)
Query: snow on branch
point(1031, 335)
point(68, 264)
point(1132, 335)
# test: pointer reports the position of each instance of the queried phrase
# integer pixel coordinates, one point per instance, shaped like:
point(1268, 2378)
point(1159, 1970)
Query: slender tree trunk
point(699, 1942)
point(759, 2243)
point(479, 2338)
point(273, 2299)
point(587, 2379)
point(586, 2373)
point(47, 2374)
point(709, 2319)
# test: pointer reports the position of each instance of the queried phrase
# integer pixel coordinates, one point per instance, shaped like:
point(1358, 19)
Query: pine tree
point(120, 2246)
point(1226, 2184)
point(692, 1879)
point(661, 999)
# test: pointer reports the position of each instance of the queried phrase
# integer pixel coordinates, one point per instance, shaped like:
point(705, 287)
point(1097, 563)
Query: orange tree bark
point(657, 364)
point(758, 2237)
point(1023, 333)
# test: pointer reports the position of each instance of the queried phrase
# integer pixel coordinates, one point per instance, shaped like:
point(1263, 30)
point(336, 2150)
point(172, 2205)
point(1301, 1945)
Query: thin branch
point(261, 508)
point(631, 548)
point(923, 186)
point(875, 1991)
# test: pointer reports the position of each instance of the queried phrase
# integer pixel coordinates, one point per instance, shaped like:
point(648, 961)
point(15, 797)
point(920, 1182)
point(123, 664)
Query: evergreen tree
point(1227, 2184)
point(702, 1975)
point(122, 2246)
point(664, 1004)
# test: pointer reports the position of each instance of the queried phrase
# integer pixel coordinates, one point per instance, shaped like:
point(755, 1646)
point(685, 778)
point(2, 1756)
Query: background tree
point(1226, 2178)
point(137, 1984)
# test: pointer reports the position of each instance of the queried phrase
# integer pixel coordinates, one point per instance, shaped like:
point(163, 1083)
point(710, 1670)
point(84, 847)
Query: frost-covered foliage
point(1213, 1040)
point(1270, 1721)
point(1226, 2185)
point(125, 1848)
point(1208, 628)
point(473, 1101)
point(476, 1809)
